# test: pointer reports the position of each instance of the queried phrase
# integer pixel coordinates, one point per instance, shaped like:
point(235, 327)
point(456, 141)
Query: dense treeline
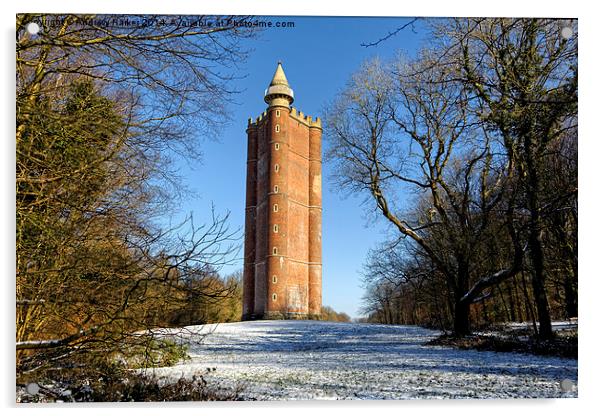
point(101, 114)
point(329, 314)
point(196, 310)
point(469, 152)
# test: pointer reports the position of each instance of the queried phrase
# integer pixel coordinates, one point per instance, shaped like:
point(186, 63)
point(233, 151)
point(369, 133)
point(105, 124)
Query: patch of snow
point(284, 360)
point(556, 325)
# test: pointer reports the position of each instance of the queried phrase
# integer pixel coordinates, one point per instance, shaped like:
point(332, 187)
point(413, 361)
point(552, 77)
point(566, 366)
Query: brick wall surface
point(283, 226)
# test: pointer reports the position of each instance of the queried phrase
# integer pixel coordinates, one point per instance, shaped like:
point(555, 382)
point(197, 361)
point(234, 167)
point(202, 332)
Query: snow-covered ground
point(276, 360)
point(515, 328)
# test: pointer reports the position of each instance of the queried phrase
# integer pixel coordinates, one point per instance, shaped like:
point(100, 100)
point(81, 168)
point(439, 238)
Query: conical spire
point(279, 92)
point(279, 78)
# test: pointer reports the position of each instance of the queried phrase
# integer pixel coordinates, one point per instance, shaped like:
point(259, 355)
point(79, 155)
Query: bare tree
point(523, 76)
point(513, 84)
point(404, 130)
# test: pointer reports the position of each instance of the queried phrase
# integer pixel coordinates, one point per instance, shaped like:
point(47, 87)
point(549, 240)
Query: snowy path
point(274, 360)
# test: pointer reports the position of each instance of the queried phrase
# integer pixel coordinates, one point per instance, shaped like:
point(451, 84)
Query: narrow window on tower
point(275, 207)
point(277, 146)
point(274, 296)
point(277, 128)
point(276, 167)
point(275, 228)
point(277, 113)
point(274, 279)
point(275, 250)
point(275, 189)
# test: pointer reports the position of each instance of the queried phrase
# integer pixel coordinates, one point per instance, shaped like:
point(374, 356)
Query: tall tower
point(283, 222)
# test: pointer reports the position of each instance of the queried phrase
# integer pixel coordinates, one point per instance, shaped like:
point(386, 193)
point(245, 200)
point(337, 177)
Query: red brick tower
point(283, 222)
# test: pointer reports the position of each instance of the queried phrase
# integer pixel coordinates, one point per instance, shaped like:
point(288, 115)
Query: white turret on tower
point(279, 93)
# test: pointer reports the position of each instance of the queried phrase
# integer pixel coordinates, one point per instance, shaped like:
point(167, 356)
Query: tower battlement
point(306, 119)
point(283, 222)
point(298, 116)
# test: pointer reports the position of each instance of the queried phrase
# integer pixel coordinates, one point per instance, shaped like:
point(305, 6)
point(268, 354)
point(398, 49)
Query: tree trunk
point(461, 318)
point(535, 244)
point(520, 317)
point(538, 280)
point(461, 307)
point(512, 306)
point(503, 300)
point(570, 282)
point(570, 296)
point(528, 304)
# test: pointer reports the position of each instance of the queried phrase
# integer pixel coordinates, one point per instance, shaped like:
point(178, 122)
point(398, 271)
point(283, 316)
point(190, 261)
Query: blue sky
point(319, 55)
